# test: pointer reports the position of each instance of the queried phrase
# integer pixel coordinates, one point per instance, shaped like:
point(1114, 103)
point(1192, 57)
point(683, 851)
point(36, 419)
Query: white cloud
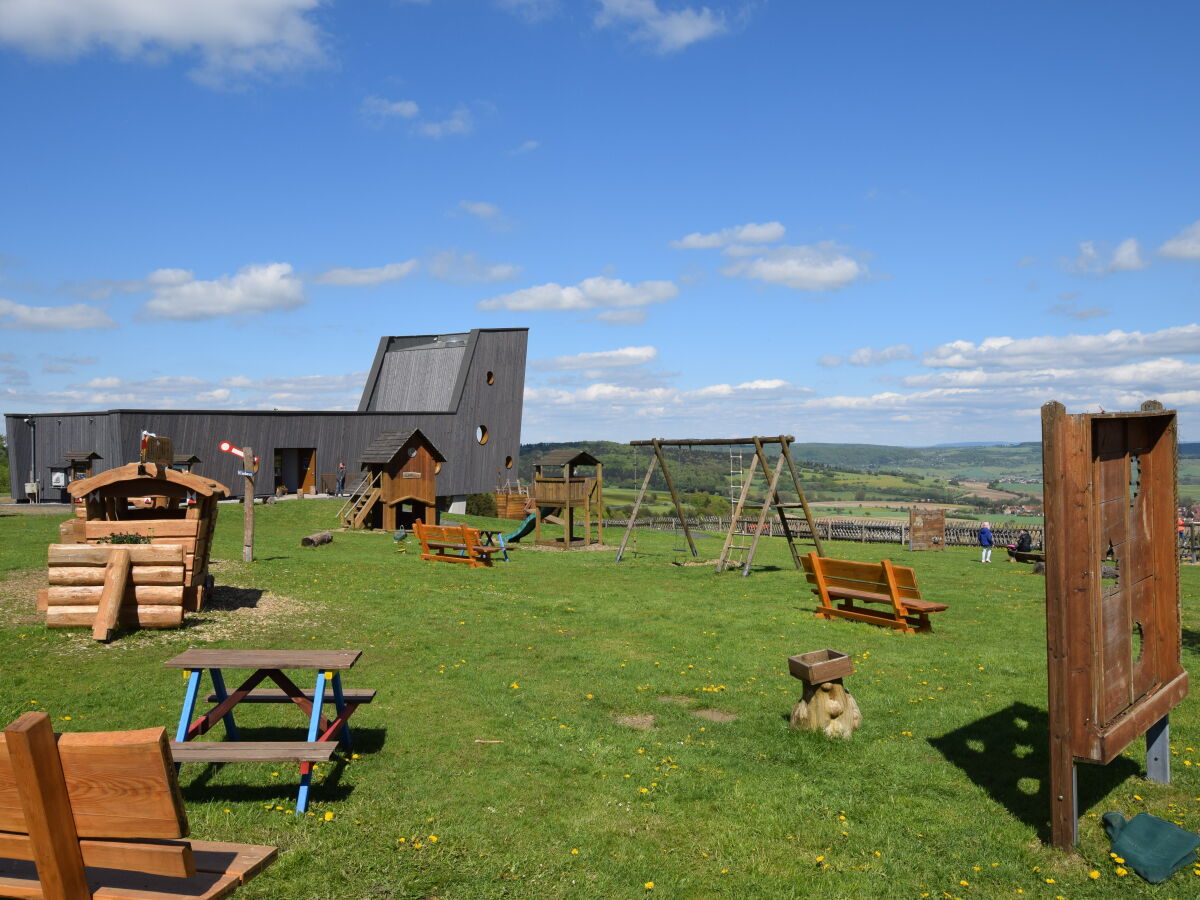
point(460, 122)
point(231, 38)
point(382, 108)
point(480, 209)
point(525, 147)
point(809, 267)
point(1154, 374)
point(666, 31)
point(868, 356)
point(467, 268)
point(1127, 257)
point(300, 384)
point(1185, 245)
point(343, 275)
point(1073, 350)
point(750, 233)
point(76, 317)
point(591, 293)
point(622, 316)
point(601, 359)
point(1068, 307)
point(254, 289)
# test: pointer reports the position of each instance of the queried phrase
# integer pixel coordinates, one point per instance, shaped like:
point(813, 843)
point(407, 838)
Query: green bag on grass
point(1152, 847)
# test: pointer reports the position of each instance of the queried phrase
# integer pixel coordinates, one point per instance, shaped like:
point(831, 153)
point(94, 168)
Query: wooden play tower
point(562, 496)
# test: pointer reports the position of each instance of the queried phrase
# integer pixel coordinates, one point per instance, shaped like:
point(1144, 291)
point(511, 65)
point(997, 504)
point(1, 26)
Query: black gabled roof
point(81, 455)
point(181, 458)
point(568, 457)
point(384, 448)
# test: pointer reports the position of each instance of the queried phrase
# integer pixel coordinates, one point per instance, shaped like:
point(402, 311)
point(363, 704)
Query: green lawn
point(941, 793)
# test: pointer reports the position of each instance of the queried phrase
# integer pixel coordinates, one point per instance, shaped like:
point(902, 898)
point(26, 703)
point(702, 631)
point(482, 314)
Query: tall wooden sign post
point(248, 529)
point(1112, 643)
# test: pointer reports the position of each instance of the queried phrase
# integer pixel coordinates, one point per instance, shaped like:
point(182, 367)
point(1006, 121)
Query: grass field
point(942, 792)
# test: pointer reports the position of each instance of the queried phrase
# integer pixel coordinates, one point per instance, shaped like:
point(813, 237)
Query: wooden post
point(248, 530)
point(662, 464)
point(116, 577)
point(37, 771)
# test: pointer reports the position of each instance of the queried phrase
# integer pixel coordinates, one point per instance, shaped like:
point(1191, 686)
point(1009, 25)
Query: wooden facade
point(564, 497)
point(1112, 643)
point(476, 388)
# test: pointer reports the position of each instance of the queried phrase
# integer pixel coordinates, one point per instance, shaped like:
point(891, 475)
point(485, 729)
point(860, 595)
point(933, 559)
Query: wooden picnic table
point(323, 735)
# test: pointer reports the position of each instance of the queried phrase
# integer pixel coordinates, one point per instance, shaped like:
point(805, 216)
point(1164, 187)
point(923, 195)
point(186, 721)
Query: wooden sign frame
point(1112, 594)
point(926, 529)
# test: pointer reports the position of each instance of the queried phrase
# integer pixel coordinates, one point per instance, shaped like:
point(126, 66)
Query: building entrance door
point(296, 469)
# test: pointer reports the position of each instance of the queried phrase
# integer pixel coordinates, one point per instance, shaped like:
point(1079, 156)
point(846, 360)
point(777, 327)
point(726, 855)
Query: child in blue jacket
point(985, 541)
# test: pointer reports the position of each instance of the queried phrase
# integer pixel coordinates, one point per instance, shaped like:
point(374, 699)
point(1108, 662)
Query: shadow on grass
point(327, 786)
point(1008, 755)
point(1191, 639)
point(227, 598)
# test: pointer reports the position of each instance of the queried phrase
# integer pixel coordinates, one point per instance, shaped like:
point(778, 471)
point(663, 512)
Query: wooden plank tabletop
point(265, 659)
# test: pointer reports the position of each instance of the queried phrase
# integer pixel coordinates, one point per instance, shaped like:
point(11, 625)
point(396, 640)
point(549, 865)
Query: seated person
point(1024, 542)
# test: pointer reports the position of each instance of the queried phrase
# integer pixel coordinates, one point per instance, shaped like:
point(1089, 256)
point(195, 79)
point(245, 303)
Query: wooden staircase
point(362, 500)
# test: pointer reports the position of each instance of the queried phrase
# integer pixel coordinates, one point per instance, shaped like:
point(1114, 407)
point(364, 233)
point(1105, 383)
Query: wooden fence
point(861, 530)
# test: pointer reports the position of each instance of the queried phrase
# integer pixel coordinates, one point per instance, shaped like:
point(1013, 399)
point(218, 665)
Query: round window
point(491, 377)
point(437, 467)
point(481, 434)
point(508, 462)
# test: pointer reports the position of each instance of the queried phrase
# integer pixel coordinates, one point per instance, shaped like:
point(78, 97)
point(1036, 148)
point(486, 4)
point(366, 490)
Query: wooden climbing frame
point(770, 502)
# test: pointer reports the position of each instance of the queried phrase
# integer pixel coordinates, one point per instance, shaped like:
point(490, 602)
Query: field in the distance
point(941, 793)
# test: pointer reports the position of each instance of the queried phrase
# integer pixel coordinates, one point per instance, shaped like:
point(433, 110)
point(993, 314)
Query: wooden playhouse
point(562, 496)
point(99, 577)
point(400, 484)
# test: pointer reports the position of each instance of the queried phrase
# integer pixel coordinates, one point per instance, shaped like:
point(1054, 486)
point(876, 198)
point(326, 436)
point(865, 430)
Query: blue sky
point(866, 221)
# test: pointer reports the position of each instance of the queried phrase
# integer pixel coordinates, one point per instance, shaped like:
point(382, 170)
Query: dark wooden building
point(463, 391)
point(401, 485)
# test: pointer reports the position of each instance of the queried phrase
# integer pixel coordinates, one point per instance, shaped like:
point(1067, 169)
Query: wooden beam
point(116, 576)
point(637, 505)
point(662, 464)
point(38, 773)
point(709, 442)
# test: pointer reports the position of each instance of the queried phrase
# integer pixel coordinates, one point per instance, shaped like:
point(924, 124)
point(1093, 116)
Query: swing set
point(771, 501)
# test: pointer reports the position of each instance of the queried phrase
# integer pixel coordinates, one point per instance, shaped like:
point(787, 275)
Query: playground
point(563, 726)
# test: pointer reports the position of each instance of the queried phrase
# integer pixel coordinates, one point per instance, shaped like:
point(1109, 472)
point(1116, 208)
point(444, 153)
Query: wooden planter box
point(819, 666)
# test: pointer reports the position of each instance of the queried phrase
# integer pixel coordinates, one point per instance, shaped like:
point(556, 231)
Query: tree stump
point(316, 540)
point(827, 707)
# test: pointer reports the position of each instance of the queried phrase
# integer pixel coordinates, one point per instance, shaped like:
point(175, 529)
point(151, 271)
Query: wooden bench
point(454, 543)
point(99, 815)
point(854, 583)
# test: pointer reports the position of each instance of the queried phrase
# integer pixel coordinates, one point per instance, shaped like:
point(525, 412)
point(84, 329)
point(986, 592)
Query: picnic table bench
point(455, 543)
point(100, 815)
point(854, 583)
point(323, 736)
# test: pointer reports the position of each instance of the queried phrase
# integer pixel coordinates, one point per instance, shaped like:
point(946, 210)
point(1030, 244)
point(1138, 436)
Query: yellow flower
point(1118, 860)
point(402, 840)
point(1049, 881)
point(820, 859)
point(643, 790)
point(1121, 870)
point(328, 816)
point(1094, 874)
point(514, 686)
point(589, 696)
point(649, 885)
point(433, 839)
point(574, 851)
point(964, 882)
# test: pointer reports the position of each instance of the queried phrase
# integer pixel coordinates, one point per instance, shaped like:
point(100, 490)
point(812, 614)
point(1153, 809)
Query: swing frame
point(770, 502)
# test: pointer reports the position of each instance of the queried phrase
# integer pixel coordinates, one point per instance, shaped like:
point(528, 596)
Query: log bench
point(454, 543)
point(883, 584)
point(99, 815)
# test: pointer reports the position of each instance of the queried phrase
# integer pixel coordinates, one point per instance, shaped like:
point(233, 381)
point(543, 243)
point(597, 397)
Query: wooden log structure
point(154, 501)
point(115, 585)
point(316, 540)
point(826, 705)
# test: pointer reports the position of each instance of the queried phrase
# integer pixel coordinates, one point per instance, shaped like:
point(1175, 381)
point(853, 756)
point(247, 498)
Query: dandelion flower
point(1094, 874)
point(514, 686)
point(649, 885)
point(328, 816)
point(1122, 871)
point(574, 851)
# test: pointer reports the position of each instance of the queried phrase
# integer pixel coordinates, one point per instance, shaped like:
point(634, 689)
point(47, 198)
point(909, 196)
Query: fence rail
point(861, 530)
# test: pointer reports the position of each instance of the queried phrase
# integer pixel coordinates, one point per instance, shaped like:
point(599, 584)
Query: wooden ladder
point(354, 510)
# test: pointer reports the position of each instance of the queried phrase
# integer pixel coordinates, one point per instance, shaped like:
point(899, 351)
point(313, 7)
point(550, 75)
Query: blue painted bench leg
point(339, 702)
point(314, 724)
point(189, 706)
point(218, 681)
